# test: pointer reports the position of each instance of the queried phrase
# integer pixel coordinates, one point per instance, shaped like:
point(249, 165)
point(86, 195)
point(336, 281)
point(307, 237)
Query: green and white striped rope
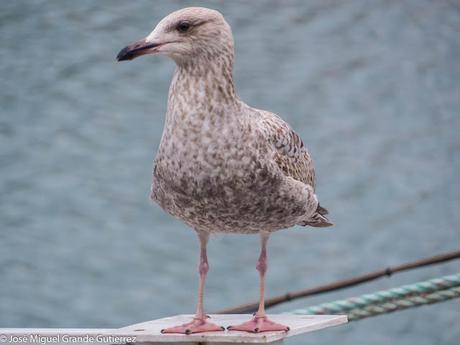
point(387, 301)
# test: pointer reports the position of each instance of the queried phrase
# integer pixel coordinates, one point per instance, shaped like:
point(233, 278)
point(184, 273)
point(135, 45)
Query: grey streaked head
point(186, 35)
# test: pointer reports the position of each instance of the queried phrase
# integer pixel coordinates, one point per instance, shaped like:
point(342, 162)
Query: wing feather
point(291, 155)
point(293, 158)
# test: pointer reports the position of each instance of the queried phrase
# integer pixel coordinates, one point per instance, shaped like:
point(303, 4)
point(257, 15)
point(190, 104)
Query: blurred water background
point(373, 87)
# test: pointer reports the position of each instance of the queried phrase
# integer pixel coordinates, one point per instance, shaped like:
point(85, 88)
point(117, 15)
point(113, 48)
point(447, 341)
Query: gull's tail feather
point(318, 219)
point(321, 210)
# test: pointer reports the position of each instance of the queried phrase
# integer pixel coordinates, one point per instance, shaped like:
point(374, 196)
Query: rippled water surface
point(373, 87)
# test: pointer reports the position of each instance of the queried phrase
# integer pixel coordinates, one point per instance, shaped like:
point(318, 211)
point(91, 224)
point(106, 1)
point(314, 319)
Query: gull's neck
point(203, 85)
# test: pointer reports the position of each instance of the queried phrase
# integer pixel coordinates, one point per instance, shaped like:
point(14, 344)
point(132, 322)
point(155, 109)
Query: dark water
point(373, 87)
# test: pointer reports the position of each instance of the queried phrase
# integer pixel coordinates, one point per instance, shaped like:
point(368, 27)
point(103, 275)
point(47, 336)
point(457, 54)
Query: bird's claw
point(197, 325)
point(259, 324)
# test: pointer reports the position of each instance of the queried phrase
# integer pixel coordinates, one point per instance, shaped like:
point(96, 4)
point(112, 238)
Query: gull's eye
point(183, 26)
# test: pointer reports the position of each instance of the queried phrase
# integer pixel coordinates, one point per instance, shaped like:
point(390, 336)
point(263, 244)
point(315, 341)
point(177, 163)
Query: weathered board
point(149, 332)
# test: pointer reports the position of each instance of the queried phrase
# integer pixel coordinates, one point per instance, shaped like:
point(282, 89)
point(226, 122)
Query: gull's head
point(186, 35)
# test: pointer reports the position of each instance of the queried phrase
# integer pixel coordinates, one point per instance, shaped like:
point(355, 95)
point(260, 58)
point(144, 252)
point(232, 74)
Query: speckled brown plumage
point(223, 166)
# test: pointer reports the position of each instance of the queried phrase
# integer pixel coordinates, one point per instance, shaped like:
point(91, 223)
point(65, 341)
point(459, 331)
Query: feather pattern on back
point(293, 158)
point(291, 155)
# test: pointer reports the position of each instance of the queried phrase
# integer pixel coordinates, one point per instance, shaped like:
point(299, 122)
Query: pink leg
point(199, 323)
point(260, 321)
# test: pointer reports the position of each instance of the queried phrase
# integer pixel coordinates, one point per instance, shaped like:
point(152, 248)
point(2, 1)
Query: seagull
point(223, 166)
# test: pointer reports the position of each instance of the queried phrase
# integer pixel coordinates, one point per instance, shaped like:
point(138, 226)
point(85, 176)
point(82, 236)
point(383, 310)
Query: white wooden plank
point(149, 332)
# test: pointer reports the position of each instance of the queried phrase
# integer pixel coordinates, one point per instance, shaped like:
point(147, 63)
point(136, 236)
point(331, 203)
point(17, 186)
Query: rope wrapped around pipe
point(387, 301)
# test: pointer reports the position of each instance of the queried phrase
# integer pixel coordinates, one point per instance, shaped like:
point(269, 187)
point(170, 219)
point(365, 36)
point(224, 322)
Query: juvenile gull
point(223, 166)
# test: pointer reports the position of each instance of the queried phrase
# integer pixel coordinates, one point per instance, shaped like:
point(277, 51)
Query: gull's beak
point(136, 49)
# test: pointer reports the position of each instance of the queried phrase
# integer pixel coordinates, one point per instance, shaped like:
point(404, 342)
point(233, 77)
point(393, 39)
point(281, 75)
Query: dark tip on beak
point(124, 54)
point(135, 49)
